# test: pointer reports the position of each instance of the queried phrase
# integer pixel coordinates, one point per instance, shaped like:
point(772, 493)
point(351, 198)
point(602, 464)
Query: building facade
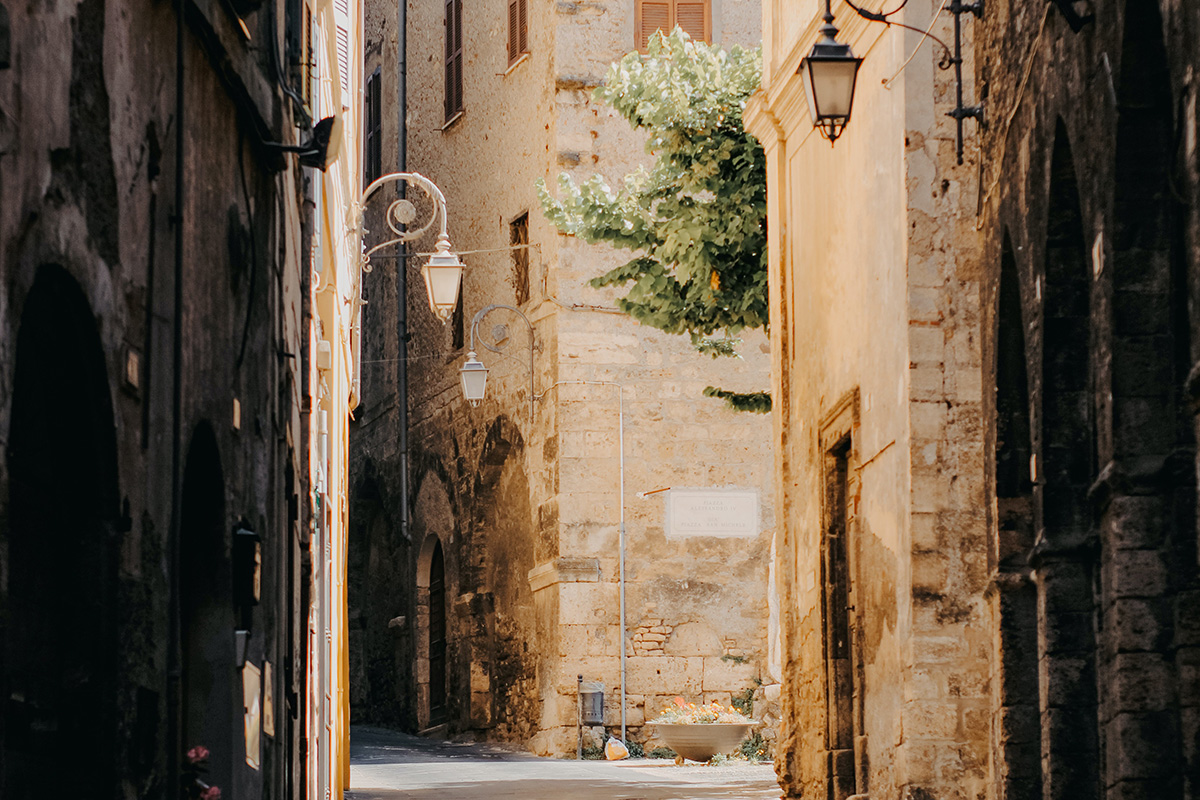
point(157, 549)
point(496, 573)
point(876, 346)
point(1035, 425)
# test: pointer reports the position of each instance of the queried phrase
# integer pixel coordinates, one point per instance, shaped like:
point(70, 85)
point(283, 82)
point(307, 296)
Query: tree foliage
point(696, 220)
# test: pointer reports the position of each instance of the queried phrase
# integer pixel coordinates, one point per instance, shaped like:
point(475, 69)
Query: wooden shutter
point(373, 136)
point(693, 16)
point(454, 58)
point(514, 30)
point(518, 29)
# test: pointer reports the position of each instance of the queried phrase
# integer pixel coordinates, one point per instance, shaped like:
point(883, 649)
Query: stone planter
point(702, 741)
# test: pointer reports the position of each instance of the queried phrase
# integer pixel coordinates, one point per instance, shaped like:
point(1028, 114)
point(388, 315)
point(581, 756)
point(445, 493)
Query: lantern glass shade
point(829, 74)
point(473, 375)
point(443, 276)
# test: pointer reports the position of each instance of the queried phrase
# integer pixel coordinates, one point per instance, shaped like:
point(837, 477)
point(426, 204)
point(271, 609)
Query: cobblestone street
point(393, 766)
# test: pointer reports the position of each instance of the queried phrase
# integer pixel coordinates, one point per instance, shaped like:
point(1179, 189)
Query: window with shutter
point(518, 29)
point(342, 22)
point(518, 236)
point(454, 58)
point(372, 137)
point(693, 16)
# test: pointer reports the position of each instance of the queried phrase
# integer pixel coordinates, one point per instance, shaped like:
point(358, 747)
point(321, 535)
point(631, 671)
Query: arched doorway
point(1017, 738)
point(432, 632)
point(207, 613)
point(1064, 562)
point(58, 670)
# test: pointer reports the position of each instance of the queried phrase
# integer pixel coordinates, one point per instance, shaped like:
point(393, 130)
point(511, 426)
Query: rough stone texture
point(88, 230)
point(1088, 217)
point(523, 494)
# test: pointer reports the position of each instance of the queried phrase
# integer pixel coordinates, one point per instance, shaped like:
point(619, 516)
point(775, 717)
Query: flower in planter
point(683, 713)
point(195, 765)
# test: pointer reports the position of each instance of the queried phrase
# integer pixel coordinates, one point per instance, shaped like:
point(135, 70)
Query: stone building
point(156, 562)
point(879, 403)
point(485, 579)
point(1091, 243)
point(1020, 454)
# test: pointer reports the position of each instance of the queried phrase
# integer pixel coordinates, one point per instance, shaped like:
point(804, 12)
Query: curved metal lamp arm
point(947, 59)
point(400, 213)
point(483, 312)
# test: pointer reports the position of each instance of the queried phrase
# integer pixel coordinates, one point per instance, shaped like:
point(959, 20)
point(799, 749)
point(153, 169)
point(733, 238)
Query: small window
point(518, 236)
point(460, 331)
point(373, 138)
point(518, 29)
point(454, 58)
point(694, 17)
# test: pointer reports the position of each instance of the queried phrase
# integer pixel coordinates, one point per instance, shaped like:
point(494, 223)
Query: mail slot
point(591, 702)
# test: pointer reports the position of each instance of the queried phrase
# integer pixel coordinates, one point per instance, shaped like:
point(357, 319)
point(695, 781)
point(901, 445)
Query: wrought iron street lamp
point(473, 374)
point(443, 272)
point(830, 71)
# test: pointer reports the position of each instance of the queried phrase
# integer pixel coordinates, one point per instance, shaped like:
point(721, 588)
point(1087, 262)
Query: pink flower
point(211, 793)
point(197, 754)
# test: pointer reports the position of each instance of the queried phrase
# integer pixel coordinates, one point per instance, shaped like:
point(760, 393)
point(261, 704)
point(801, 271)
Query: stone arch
point(1147, 507)
point(58, 667)
point(432, 634)
point(505, 547)
point(1066, 467)
point(209, 670)
point(1017, 752)
point(1063, 557)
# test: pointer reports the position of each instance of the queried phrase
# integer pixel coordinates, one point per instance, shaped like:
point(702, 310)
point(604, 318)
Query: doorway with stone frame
point(847, 767)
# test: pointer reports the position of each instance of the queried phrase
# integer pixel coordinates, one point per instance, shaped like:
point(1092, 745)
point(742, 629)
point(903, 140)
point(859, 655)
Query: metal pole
point(579, 717)
point(621, 447)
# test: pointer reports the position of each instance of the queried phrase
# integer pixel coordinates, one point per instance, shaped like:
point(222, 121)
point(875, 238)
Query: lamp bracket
point(501, 345)
point(401, 213)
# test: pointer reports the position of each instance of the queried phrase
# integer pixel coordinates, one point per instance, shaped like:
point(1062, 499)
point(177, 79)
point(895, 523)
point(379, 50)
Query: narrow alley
point(385, 765)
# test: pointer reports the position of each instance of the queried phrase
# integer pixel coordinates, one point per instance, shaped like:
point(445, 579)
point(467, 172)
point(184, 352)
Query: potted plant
point(701, 732)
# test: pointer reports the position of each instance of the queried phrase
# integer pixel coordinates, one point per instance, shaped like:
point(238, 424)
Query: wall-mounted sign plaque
point(712, 512)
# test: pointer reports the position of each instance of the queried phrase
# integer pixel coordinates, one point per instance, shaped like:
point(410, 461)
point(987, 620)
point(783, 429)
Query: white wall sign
point(712, 512)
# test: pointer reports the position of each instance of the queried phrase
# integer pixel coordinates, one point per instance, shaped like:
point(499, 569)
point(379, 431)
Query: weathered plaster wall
point(875, 322)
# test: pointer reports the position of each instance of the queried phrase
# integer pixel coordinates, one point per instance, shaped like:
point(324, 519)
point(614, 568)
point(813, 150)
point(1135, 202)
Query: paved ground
point(385, 765)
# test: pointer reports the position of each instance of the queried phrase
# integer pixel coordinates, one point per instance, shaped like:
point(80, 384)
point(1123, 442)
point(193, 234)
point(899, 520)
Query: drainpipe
point(174, 620)
point(325, 722)
point(401, 262)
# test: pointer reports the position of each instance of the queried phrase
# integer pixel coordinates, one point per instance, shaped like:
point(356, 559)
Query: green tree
point(696, 220)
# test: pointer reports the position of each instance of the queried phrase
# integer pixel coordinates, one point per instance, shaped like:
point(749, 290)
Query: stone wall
point(1088, 215)
point(117, 629)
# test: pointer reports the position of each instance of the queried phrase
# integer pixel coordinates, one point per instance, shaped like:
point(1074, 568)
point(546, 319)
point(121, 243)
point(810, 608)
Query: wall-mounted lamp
point(322, 147)
point(830, 71)
point(473, 374)
point(443, 272)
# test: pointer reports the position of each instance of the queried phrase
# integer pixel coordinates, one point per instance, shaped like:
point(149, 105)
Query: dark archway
point(1148, 517)
point(1063, 558)
point(59, 663)
point(210, 671)
point(437, 636)
point(1017, 753)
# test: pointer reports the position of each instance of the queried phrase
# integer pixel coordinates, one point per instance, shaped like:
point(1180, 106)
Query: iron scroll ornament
point(401, 213)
